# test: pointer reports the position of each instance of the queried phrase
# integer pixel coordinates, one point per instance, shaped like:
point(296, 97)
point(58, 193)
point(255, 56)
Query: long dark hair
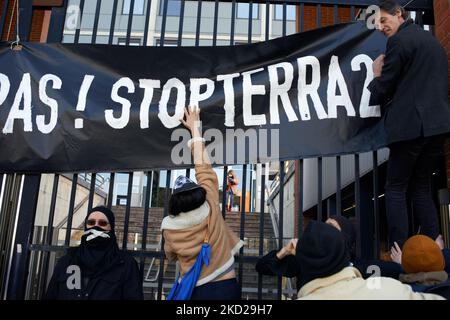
point(186, 201)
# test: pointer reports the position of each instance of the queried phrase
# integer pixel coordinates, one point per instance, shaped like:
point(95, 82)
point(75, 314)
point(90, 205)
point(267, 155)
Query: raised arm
point(204, 173)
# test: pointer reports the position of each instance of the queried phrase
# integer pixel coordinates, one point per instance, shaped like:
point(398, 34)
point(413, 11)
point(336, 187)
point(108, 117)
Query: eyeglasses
point(93, 222)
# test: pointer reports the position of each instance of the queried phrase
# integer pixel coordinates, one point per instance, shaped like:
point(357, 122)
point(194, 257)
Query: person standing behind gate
point(410, 83)
point(97, 269)
point(232, 189)
point(195, 220)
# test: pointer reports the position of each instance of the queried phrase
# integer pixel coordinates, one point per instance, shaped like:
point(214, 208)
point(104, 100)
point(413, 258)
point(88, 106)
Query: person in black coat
point(97, 269)
point(284, 262)
point(411, 85)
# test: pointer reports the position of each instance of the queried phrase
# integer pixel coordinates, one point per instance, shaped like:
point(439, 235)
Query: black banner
point(71, 108)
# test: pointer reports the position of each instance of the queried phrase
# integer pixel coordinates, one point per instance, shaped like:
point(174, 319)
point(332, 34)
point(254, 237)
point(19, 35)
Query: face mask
point(96, 237)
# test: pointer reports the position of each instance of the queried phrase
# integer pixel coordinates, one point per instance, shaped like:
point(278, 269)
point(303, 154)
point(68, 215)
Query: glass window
point(133, 41)
point(138, 7)
point(243, 11)
point(167, 43)
point(173, 7)
point(290, 12)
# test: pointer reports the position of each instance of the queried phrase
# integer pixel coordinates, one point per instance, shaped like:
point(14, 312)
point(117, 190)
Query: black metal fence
point(29, 252)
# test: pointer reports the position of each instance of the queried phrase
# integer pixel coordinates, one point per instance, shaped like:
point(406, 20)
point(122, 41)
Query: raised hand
point(192, 118)
point(288, 249)
point(396, 253)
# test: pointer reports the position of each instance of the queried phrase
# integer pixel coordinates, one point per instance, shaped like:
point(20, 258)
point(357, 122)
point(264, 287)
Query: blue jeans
point(410, 165)
point(230, 199)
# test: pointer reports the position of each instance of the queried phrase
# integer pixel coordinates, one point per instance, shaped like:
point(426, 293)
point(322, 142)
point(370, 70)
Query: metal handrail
point(77, 207)
point(99, 179)
point(147, 275)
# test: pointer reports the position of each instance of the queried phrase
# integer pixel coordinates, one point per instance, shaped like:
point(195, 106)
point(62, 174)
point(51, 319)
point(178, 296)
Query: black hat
point(346, 226)
point(183, 183)
point(107, 212)
point(348, 229)
point(321, 252)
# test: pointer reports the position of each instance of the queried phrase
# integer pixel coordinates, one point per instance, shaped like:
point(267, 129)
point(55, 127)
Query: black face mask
point(96, 237)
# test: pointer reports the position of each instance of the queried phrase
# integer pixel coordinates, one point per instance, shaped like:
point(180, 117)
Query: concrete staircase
point(233, 219)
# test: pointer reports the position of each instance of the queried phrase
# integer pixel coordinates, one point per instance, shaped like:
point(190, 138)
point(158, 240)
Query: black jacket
point(121, 281)
point(413, 86)
point(270, 265)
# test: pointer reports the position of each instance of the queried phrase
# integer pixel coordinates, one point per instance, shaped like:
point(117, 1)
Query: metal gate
point(40, 214)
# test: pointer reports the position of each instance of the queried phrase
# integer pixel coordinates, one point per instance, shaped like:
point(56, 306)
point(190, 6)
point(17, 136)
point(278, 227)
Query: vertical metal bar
point(335, 14)
point(111, 190)
point(161, 259)
point(267, 20)
point(57, 23)
point(92, 191)
point(180, 24)
point(224, 191)
point(130, 22)
point(357, 207)
point(147, 21)
point(71, 207)
point(113, 23)
point(96, 19)
point(261, 226)
point(163, 23)
point(250, 22)
point(419, 18)
point(145, 223)
point(23, 27)
point(22, 236)
point(51, 214)
point(3, 178)
point(352, 13)
point(3, 17)
point(300, 200)
point(48, 241)
point(188, 173)
point(127, 211)
point(302, 17)
point(233, 19)
point(280, 223)
point(319, 189)
point(318, 16)
point(9, 268)
point(199, 18)
point(151, 187)
point(250, 189)
point(242, 227)
point(78, 30)
point(216, 20)
point(376, 207)
point(338, 186)
point(284, 19)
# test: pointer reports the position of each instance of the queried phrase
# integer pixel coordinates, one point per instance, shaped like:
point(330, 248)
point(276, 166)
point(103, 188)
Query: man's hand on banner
point(377, 65)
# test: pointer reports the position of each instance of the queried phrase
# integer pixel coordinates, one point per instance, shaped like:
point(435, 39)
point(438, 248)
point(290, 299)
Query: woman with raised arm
point(195, 232)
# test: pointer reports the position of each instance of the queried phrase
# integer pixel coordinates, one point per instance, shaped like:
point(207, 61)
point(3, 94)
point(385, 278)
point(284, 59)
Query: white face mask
point(96, 233)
